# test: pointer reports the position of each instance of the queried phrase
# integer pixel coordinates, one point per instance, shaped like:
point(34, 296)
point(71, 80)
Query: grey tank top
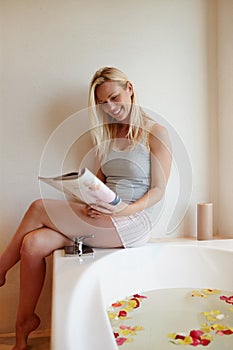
point(128, 171)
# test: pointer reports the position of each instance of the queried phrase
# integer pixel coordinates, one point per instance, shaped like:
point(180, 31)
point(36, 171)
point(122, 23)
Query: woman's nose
point(109, 105)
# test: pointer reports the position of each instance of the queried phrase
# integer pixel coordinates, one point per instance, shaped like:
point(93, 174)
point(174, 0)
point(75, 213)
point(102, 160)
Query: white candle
point(204, 221)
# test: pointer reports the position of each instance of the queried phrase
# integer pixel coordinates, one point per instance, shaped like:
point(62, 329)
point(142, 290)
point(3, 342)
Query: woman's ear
point(129, 88)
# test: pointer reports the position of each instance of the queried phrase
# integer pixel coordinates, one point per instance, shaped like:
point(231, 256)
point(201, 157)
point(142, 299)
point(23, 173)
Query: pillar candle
point(204, 221)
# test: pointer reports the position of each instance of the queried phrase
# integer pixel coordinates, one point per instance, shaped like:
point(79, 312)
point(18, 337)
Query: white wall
point(50, 50)
point(225, 112)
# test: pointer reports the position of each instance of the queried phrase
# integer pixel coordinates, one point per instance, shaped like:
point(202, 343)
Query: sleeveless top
point(128, 171)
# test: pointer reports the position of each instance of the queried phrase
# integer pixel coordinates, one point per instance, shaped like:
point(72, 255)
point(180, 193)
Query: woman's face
point(115, 100)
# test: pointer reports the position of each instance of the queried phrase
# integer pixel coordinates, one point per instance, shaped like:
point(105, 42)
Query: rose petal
point(204, 342)
point(196, 334)
point(117, 304)
point(136, 302)
point(227, 332)
point(211, 291)
point(120, 341)
point(180, 336)
point(220, 333)
point(122, 313)
point(228, 300)
point(139, 296)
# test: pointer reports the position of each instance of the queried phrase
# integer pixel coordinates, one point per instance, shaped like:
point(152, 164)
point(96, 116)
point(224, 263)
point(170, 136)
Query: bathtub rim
point(103, 255)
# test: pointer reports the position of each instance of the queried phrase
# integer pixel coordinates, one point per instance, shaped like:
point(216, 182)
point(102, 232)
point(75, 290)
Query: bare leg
point(46, 226)
point(64, 217)
point(35, 247)
point(11, 254)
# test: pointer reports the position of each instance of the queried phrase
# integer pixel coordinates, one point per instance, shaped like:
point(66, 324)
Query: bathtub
point(83, 288)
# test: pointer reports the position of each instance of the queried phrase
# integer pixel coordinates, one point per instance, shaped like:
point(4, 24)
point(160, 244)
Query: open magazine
point(84, 186)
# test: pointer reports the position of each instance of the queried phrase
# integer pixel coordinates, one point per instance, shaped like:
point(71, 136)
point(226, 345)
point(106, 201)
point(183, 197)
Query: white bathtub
point(82, 289)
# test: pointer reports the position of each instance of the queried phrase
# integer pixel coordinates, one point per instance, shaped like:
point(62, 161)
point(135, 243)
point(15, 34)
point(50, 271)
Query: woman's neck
point(122, 130)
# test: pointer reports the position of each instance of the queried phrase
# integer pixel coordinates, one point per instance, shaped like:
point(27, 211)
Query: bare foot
point(2, 279)
point(23, 330)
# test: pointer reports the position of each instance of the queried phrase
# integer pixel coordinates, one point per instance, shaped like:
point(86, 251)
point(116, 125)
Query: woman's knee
point(36, 211)
point(36, 206)
point(32, 244)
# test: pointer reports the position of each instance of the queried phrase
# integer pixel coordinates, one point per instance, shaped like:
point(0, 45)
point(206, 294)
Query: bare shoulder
point(159, 131)
point(159, 135)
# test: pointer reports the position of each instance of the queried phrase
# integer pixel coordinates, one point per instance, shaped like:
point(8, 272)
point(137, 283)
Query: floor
point(39, 340)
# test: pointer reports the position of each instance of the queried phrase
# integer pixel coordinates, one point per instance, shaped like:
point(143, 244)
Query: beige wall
point(225, 115)
point(50, 49)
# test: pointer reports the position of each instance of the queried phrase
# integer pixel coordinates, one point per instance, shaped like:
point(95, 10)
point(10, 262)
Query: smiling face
point(115, 99)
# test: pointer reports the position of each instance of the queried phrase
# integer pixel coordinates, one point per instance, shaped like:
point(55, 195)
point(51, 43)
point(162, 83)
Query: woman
point(134, 160)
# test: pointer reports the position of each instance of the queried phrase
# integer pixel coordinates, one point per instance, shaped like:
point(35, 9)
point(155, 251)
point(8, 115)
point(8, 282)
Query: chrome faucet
point(78, 244)
point(77, 247)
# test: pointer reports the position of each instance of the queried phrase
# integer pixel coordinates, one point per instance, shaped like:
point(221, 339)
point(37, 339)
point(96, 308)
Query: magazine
point(86, 187)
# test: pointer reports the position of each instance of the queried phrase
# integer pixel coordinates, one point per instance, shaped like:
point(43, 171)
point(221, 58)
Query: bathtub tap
point(78, 247)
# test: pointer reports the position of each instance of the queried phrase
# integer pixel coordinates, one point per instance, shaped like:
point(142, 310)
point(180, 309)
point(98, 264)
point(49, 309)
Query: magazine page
point(85, 186)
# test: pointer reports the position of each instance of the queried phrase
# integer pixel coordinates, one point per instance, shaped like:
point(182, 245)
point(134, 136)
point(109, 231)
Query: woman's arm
point(100, 175)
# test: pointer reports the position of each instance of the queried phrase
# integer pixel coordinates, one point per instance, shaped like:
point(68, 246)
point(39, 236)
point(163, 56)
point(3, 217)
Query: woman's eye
point(115, 97)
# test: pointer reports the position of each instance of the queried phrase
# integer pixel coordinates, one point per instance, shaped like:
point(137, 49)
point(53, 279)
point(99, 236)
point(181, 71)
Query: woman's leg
point(11, 254)
point(46, 226)
point(64, 217)
point(35, 247)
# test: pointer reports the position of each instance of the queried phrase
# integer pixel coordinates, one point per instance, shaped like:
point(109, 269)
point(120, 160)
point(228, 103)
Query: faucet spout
point(78, 243)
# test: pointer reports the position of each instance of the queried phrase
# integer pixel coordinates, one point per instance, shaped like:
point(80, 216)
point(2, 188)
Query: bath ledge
point(187, 239)
point(217, 242)
point(220, 242)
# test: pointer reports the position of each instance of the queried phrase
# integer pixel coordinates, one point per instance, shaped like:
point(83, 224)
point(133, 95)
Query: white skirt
point(134, 230)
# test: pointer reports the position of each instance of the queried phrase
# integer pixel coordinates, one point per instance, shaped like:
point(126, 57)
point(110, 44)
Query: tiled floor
point(38, 341)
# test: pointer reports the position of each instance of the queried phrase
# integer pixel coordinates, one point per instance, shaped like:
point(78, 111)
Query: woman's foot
point(23, 330)
point(2, 278)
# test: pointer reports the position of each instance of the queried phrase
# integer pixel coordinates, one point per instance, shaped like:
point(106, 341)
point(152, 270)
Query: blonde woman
point(134, 159)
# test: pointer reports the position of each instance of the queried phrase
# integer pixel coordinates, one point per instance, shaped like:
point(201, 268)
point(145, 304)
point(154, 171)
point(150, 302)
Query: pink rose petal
point(228, 300)
point(120, 341)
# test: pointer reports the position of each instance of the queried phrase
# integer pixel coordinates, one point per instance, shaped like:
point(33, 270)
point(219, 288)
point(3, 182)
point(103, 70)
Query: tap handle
point(82, 238)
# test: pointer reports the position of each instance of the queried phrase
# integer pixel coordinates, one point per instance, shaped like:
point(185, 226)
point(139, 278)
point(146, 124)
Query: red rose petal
point(137, 302)
point(227, 332)
point(116, 304)
point(122, 313)
point(139, 296)
point(228, 300)
point(204, 342)
point(196, 334)
point(179, 336)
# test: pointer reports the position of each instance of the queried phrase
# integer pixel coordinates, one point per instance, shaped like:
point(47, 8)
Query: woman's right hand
point(92, 212)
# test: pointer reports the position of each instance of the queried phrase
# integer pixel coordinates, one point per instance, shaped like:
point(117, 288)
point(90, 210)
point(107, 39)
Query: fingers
point(91, 212)
point(100, 209)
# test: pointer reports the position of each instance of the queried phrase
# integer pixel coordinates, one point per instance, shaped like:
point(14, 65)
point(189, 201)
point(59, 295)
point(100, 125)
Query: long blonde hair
point(104, 127)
